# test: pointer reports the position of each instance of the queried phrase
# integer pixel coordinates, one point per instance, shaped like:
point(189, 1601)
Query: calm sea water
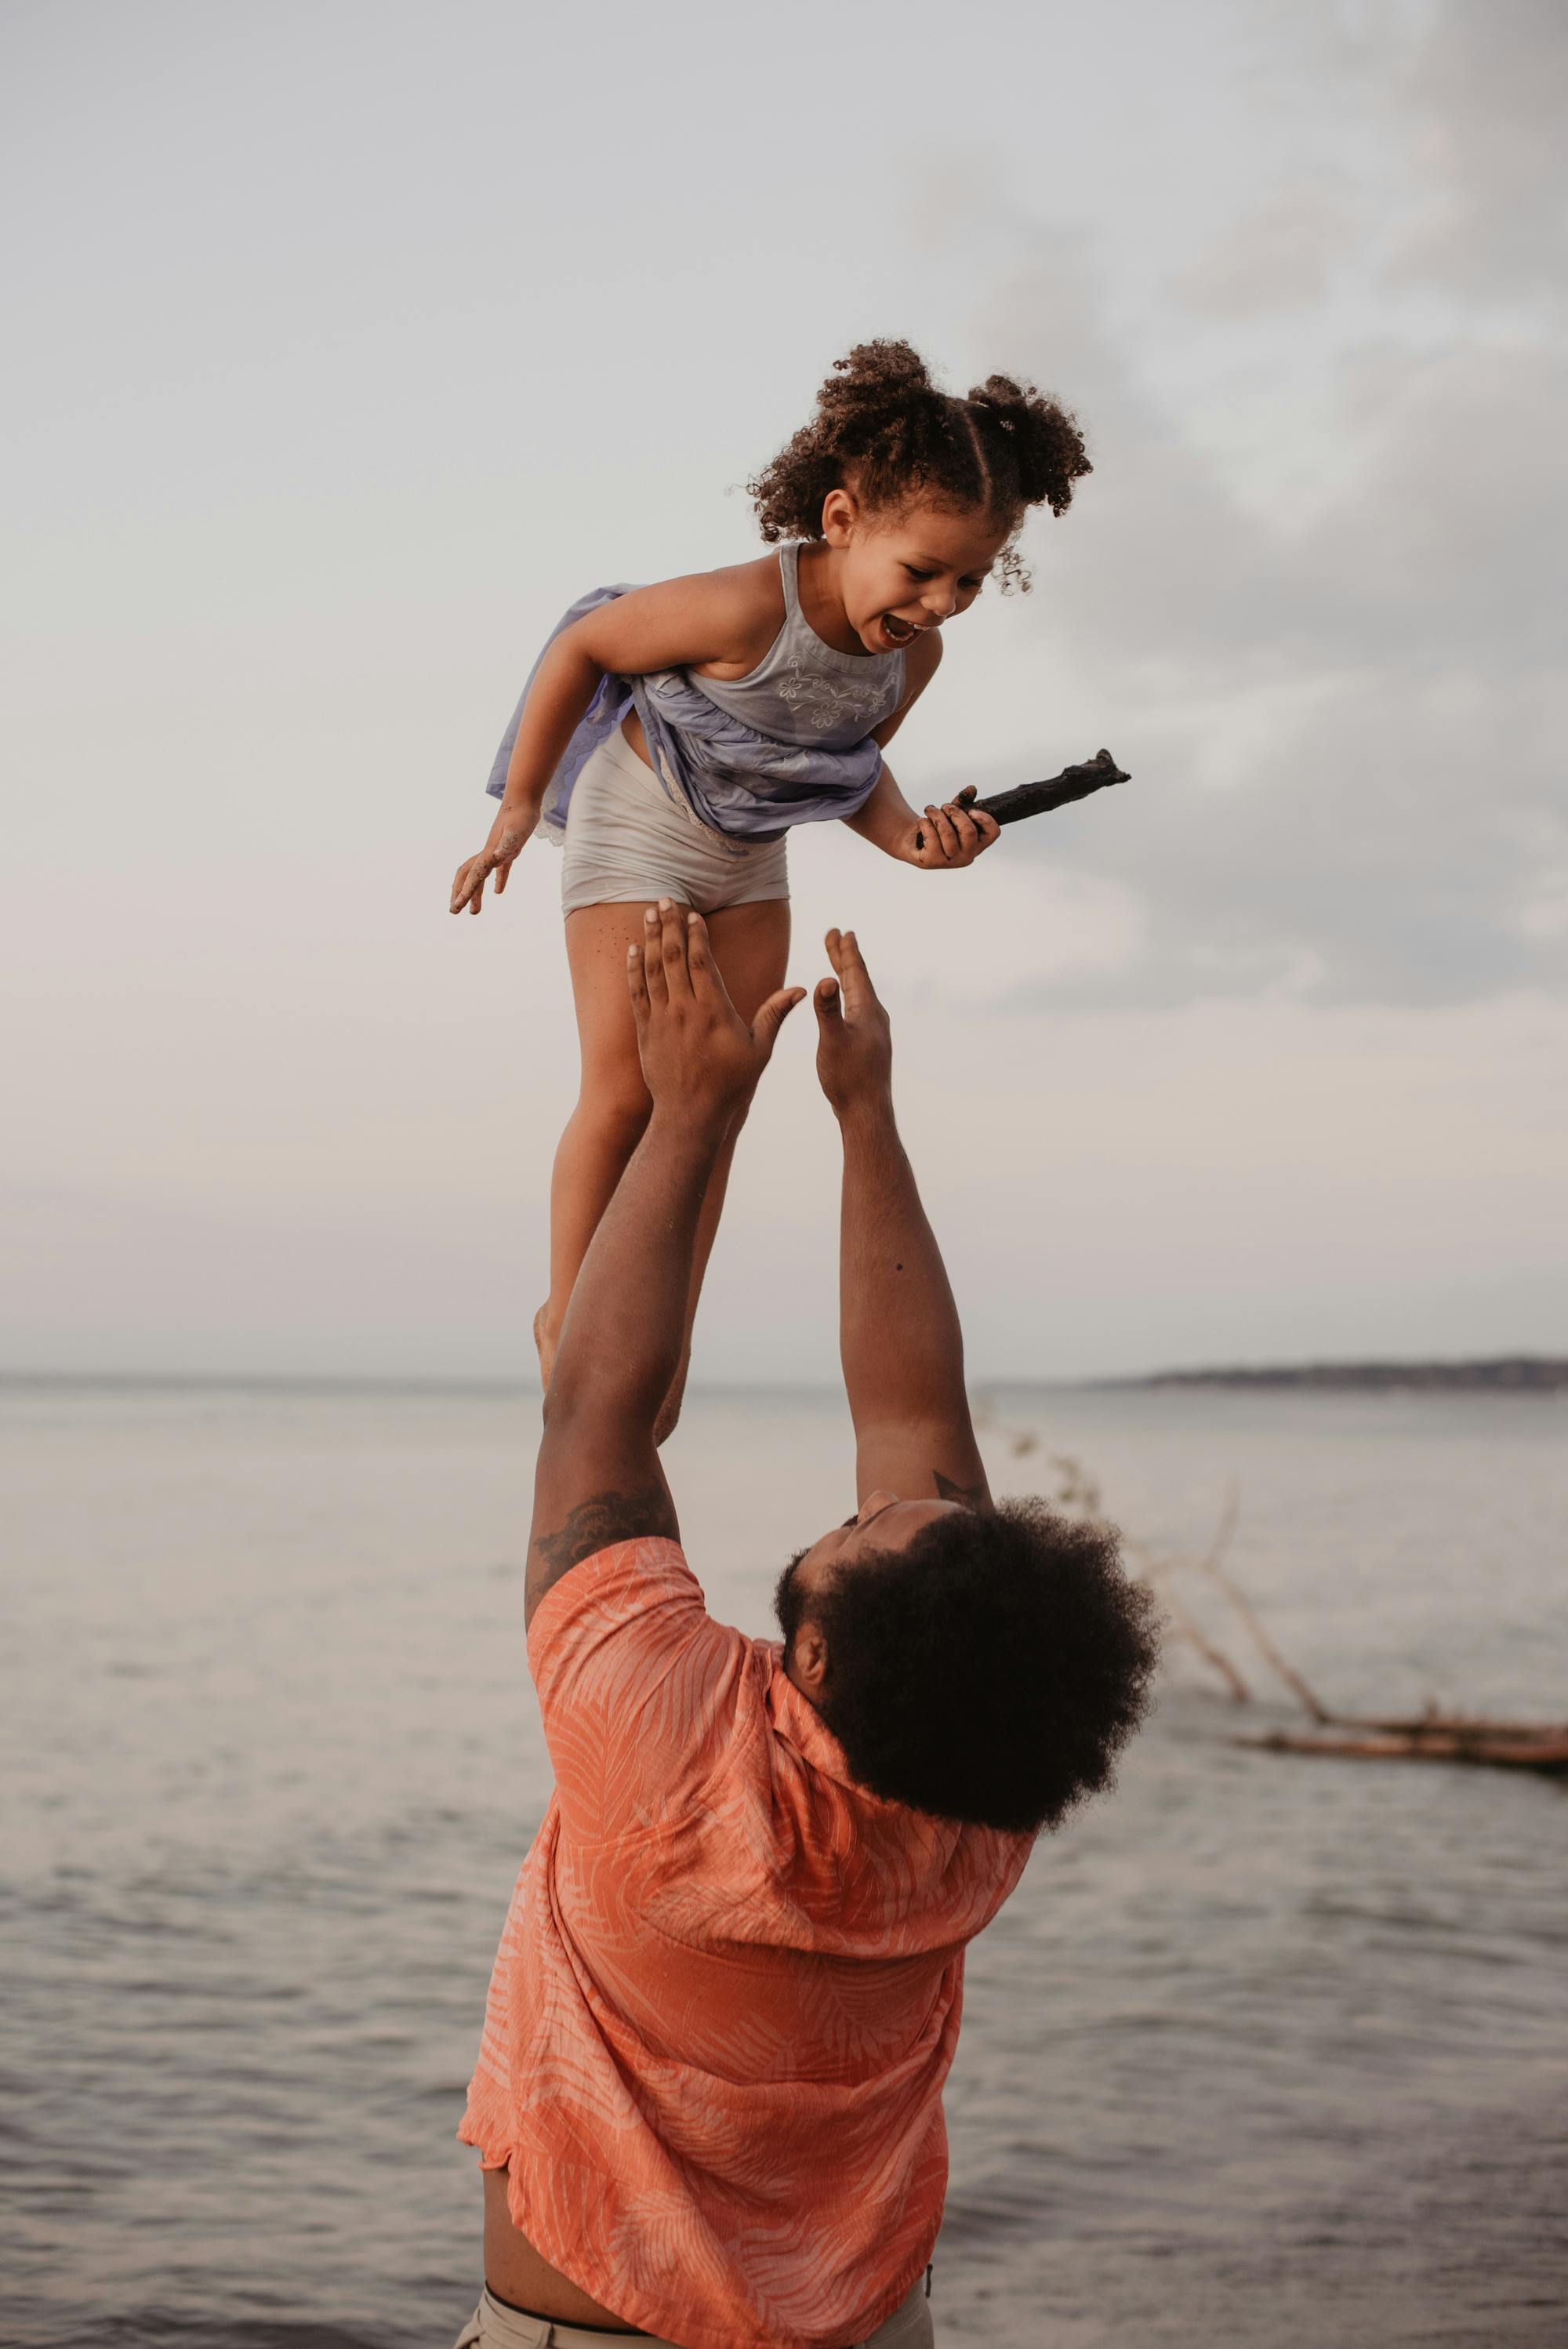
point(1265, 2051)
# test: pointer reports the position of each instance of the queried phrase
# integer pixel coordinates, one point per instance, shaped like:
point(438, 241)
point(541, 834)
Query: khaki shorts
point(494, 2325)
point(628, 843)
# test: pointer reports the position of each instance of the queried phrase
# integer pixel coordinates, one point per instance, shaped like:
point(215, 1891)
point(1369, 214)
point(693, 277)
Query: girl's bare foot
point(545, 1342)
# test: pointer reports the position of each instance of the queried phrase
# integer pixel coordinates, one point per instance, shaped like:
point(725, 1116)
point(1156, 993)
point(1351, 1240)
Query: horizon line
point(414, 1383)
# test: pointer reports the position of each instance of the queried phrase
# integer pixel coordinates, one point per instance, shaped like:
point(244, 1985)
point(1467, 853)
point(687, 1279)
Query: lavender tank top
point(806, 691)
point(750, 756)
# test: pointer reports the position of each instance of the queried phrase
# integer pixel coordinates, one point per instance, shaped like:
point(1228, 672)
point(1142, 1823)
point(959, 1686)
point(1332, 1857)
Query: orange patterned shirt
point(728, 1989)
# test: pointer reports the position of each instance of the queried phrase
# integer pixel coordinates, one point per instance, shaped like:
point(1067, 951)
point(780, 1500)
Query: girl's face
point(901, 573)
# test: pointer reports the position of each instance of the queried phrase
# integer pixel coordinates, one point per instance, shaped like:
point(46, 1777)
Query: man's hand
point(855, 1040)
point(699, 1057)
point(953, 835)
point(509, 835)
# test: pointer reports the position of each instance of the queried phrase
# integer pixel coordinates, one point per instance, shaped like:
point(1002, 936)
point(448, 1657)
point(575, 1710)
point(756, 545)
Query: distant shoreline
point(1527, 1375)
point(1522, 1374)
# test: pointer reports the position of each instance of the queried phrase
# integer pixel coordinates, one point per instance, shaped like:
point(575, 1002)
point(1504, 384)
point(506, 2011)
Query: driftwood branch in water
point(1037, 799)
point(1213, 1564)
point(1510, 1746)
point(1186, 1627)
point(1430, 1737)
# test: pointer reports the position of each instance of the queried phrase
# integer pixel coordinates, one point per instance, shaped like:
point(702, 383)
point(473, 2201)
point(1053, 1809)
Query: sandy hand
point(953, 835)
point(509, 835)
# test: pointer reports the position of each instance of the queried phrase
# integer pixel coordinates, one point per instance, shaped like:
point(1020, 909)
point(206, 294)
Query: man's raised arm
point(598, 1478)
point(902, 1347)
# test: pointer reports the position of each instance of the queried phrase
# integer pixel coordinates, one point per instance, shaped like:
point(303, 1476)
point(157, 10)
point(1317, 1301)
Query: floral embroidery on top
point(824, 700)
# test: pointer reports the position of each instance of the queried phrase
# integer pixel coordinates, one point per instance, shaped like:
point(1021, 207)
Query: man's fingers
point(828, 1002)
point(673, 946)
point(850, 964)
point(502, 875)
point(844, 954)
point(773, 1015)
point(706, 978)
point(654, 957)
point(699, 957)
point(637, 985)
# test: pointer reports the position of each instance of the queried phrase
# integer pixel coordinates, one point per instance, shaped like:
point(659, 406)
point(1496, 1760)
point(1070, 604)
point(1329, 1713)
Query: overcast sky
point(349, 343)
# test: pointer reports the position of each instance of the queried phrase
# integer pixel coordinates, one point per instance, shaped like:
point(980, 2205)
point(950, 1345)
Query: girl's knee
point(616, 1110)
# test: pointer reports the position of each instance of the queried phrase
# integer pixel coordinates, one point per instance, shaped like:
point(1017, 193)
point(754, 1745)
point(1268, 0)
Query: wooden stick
point(1037, 799)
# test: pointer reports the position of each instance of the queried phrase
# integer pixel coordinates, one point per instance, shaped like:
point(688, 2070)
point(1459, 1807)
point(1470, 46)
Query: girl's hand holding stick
point(953, 835)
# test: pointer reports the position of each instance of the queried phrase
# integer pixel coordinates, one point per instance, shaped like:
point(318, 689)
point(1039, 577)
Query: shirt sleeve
point(640, 1690)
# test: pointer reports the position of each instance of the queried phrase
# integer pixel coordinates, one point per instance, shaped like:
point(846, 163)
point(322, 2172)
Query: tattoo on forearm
point(972, 1496)
point(604, 1517)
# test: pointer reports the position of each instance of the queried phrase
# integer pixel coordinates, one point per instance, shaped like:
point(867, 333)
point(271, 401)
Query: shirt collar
point(796, 1720)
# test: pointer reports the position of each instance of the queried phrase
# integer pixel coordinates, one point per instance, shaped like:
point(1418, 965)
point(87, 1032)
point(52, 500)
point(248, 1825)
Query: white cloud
point(1346, 721)
point(1486, 94)
point(1277, 258)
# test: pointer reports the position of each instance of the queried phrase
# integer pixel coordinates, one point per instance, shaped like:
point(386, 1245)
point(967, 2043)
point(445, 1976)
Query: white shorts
point(628, 842)
point(496, 2324)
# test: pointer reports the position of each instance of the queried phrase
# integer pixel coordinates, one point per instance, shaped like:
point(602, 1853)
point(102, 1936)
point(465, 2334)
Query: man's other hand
point(698, 1055)
point(855, 1040)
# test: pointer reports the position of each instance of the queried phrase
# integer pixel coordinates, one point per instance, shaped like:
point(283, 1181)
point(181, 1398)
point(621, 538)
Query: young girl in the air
point(672, 735)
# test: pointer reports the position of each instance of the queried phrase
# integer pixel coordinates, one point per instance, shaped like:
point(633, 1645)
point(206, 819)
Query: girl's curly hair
point(885, 430)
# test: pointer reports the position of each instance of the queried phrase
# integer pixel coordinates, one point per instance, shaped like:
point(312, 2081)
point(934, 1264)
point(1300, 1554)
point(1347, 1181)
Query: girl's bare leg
point(611, 1104)
point(751, 946)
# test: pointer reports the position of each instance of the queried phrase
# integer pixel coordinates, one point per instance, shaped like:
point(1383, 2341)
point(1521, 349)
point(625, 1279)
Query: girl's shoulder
point(726, 617)
point(753, 590)
point(743, 609)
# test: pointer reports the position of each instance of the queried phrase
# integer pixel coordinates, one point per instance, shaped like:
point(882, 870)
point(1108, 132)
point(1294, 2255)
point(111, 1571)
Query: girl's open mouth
point(901, 632)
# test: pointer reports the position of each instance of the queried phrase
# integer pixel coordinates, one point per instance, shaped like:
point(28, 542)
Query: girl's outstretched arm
point(951, 835)
point(557, 703)
point(727, 617)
